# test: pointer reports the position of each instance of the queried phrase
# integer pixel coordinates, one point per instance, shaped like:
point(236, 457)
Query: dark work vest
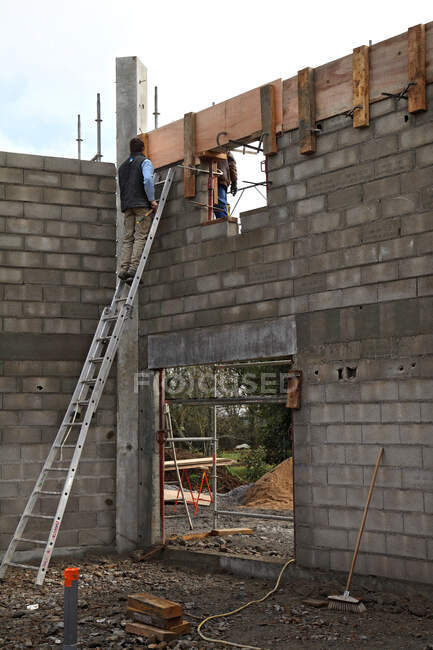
point(132, 193)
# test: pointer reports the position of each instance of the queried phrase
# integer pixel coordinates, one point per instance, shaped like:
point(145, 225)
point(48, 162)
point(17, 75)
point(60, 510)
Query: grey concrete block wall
point(345, 246)
point(57, 243)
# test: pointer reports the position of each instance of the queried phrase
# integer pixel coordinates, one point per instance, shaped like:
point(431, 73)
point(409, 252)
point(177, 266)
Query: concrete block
point(23, 292)
point(359, 295)
point(10, 175)
point(424, 156)
point(418, 523)
point(54, 164)
point(328, 495)
point(11, 209)
point(395, 248)
point(45, 244)
point(357, 497)
point(81, 278)
point(378, 230)
point(23, 193)
point(81, 246)
point(11, 241)
point(24, 226)
point(62, 326)
point(406, 546)
point(324, 222)
point(96, 199)
point(383, 272)
point(343, 392)
point(344, 475)
point(282, 176)
point(424, 243)
point(344, 278)
point(391, 123)
point(62, 261)
point(41, 178)
point(396, 164)
point(249, 294)
point(418, 479)
point(326, 413)
point(379, 189)
point(345, 197)
point(78, 182)
point(398, 290)
point(416, 389)
point(401, 412)
point(425, 286)
point(41, 211)
point(254, 219)
point(362, 413)
point(399, 205)
point(62, 229)
point(417, 179)
point(88, 215)
point(27, 161)
point(325, 300)
point(379, 147)
point(416, 137)
point(361, 214)
point(272, 253)
point(403, 500)
point(275, 162)
point(106, 215)
point(98, 168)
point(416, 266)
point(311, 167)
point(403, 456)
point(308, 206)
point(379, 391)
point(340, 179)
point(276, 196)
point(349, 136)
point(385, 521)
point(293, 305)
point(42, 276)
point(41, 310)
point(312, 245)
point(222, 298)
point(342, 158)
point(60, 196)
point(346, 238)
point(329, 538)
point(208, 283)
point(174, 306)
point(295, 191)
point(79, 310)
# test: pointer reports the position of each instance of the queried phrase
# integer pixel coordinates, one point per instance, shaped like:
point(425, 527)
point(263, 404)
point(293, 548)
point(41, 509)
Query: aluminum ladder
point(84, 402)
point(172, 440)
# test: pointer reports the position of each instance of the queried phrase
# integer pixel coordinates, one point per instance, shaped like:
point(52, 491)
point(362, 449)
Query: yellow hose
point(239, 609)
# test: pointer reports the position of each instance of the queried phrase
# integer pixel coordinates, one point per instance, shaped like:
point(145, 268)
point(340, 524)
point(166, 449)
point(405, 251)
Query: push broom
point(346, 602)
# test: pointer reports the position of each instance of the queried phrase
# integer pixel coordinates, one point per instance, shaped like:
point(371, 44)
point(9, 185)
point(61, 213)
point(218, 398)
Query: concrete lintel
point(236, 342)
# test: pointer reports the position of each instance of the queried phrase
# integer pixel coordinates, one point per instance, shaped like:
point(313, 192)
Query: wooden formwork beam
point(189, 176)
point(145, 139)
point(361, 86)
point(269, 120)
point(306, 111)
point(416, 54)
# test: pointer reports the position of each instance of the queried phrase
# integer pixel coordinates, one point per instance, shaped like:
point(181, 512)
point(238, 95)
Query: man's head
point(136, 145)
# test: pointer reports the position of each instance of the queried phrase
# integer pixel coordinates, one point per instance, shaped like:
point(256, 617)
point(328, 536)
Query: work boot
point(131, 275)
point(123, 275)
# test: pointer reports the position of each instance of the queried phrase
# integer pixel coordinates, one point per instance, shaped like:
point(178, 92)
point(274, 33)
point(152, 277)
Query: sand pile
point(274, 491)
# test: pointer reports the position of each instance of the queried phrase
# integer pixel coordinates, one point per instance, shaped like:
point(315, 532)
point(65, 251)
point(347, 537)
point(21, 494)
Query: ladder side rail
point(173, 449)
point(98, 388)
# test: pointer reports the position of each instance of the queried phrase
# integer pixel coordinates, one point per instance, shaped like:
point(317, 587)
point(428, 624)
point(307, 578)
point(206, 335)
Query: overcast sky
point(56, 55)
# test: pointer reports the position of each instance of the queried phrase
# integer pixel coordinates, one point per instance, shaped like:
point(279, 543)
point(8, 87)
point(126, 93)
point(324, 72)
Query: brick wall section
point(345, 245)
point(57, 233)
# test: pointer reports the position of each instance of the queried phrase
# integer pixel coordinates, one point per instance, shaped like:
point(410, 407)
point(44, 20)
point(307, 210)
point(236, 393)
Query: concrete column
point(135, 413)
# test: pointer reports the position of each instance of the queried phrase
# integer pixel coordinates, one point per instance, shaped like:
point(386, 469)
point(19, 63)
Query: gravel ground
point(392, 621)
point(270, 538)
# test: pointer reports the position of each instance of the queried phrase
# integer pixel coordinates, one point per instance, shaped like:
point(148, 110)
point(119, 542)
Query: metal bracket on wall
point(351, 111)
point(403, 94)
point(239, 143)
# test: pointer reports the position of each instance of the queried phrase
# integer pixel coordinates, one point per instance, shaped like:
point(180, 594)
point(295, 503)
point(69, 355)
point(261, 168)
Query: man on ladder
point(137, 201)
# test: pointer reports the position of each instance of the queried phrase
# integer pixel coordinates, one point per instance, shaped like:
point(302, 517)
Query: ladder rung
point(103, 338)
point(97, 360)
point(88, 381)
point(65, 446)
point(57, 469)
point(51, 493)
point(23, 566)
point(120, 299)
point(111, 317)
point(73, 424)
point(40, 516)
point(31, 541)
point(83, 402)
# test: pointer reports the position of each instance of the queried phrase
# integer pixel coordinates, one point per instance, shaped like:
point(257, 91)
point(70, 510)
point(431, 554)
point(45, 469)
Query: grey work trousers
point(137, 226)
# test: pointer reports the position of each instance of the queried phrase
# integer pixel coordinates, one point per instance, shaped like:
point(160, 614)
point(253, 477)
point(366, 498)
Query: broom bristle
point(346, 604)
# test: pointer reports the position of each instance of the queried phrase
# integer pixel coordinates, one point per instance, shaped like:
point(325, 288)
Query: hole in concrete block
point(401, 368)
point(110, 434)
point(406, 118)
point(319, 126)
point(340, 373)
point(351, 372)
point(39, 387)
point(413, 364)
point(316, 372)
point(109, 502)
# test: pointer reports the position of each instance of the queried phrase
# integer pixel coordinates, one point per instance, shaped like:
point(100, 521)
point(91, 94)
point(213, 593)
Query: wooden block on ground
point(417, 68)
point(154, 605)
point(361, 86)
point(156, 621)
point(231, 531)
point(160, 634)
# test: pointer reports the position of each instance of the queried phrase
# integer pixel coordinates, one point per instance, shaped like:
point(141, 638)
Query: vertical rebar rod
point(70, 606)
point(155, 112)
point(215, 448)
point(98, 128)
point(161, 441)
point(78, 139)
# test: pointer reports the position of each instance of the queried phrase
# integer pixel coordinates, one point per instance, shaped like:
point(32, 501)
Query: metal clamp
point(351, 111)
point(403, 93)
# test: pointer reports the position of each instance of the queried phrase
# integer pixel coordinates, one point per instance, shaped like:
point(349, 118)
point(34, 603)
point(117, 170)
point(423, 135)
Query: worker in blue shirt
point(137, 201)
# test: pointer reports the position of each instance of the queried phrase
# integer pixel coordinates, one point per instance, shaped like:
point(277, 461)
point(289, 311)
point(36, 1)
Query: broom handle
point(364, 517)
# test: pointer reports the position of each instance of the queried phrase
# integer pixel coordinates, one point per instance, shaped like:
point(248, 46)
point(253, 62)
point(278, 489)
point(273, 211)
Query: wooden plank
point(417, 68)
point(189, 175)
point(220, 532)
point(267, 105)
point(361, 86)
point(160, 634)
point(307, 111)
point(190, 536)
point(211, 155)
point(191, 463)
point(148, 603)
point(171, 494)
point(157, 621)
